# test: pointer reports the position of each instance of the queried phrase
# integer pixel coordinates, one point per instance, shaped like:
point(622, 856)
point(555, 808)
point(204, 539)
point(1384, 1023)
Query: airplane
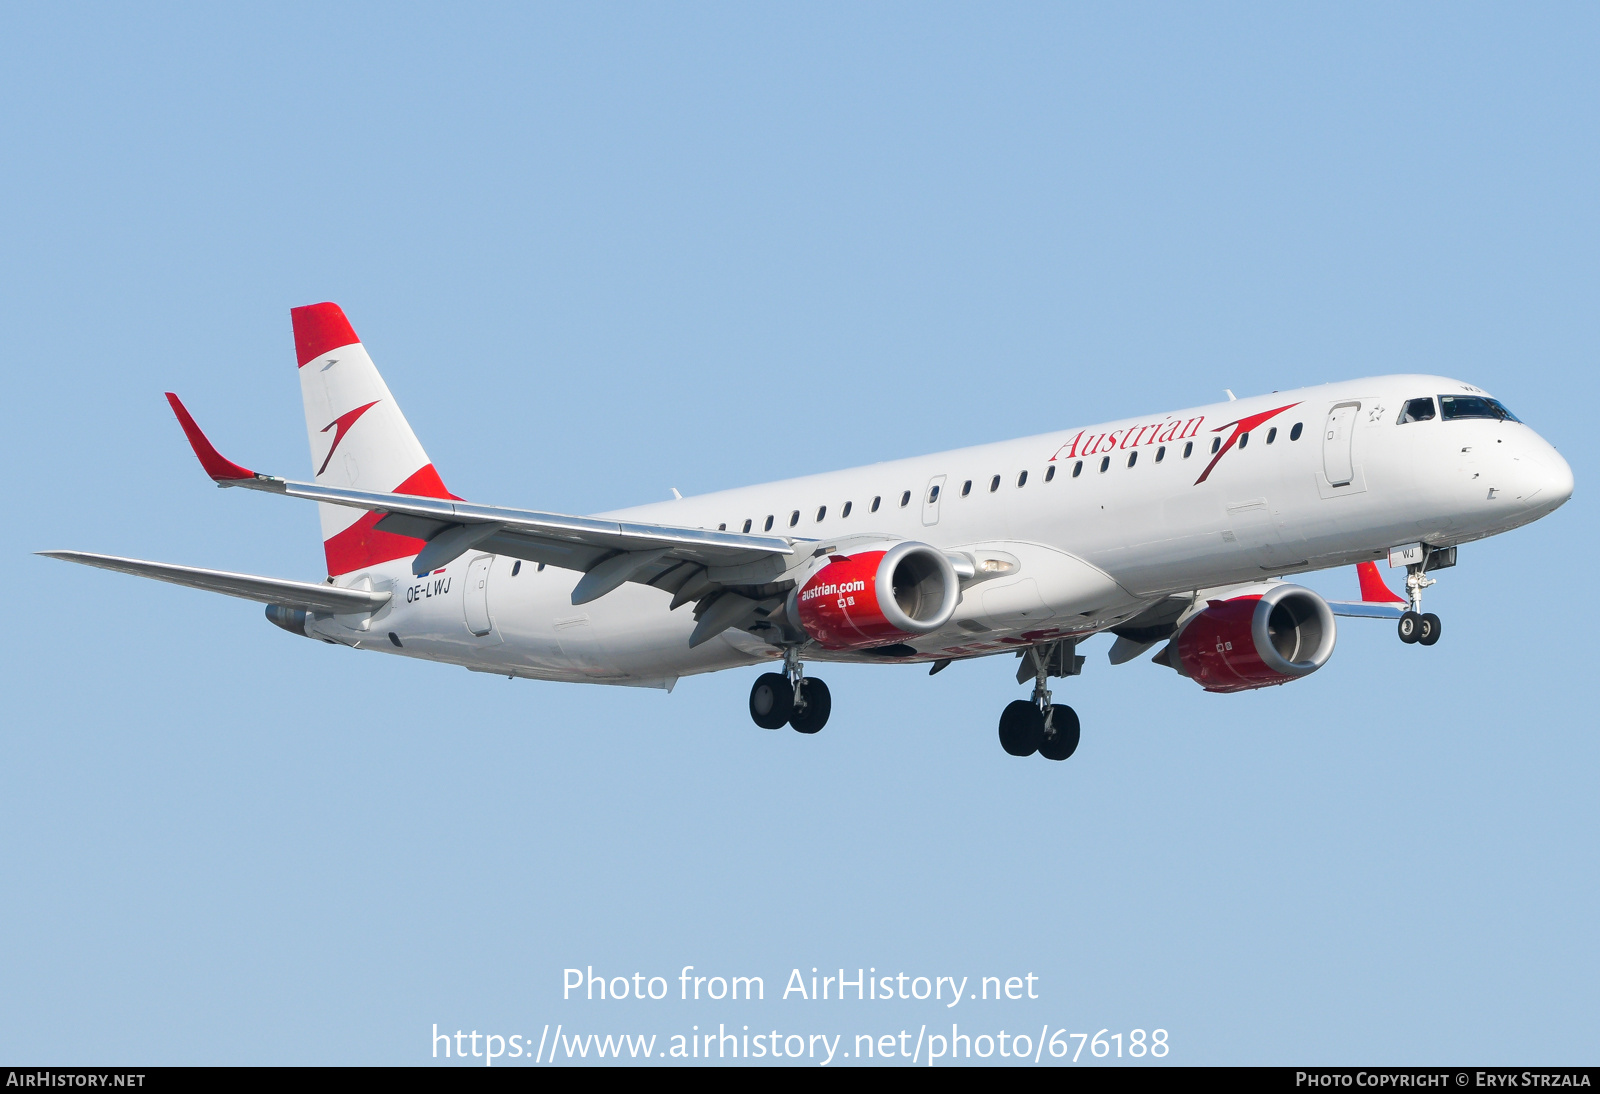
point(1174, 529)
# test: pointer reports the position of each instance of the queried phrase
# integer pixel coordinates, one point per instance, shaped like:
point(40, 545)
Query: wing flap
point(266, 590)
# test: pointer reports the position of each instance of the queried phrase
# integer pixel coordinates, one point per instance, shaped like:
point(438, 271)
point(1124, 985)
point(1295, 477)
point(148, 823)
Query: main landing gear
point(1415, 625)
point(1038, 725)
point(790, 697)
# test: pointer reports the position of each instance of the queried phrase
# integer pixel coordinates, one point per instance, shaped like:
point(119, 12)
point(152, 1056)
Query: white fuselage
point(1081, 548)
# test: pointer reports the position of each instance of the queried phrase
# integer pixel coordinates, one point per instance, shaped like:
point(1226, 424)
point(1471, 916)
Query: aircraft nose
point(1558, 479)
point(1546, 478)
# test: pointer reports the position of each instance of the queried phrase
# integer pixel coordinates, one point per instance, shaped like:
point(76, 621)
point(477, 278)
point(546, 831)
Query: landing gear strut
point(790, 697)
point(1038, 725)
point(1415, 625)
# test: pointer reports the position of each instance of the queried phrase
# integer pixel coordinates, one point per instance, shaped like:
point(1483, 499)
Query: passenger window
point(1188, 449)
point(822, 511)
point(1161, 453)
point(516, 567)
point(933, 494)
point(794, 518)
point(541, 568)
point(1077, 469)
point(747, 526)
point(1022, 480)
point(723, 527)
point(1272, 434)
point(875, 502)
point(845, 512)
point(1105, 462)
point(1417, 410)
point(966, 488)
point(1133, 457)
point(1244, 439)
point(1216, 443)
point(1294, 434)
point(768, 526)
point(1050, 473)
point(905, 499)
point(994, 484)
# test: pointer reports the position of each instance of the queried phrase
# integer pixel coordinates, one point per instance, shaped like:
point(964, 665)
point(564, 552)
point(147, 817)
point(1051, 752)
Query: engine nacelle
point(878, 597)
point(1255, 638)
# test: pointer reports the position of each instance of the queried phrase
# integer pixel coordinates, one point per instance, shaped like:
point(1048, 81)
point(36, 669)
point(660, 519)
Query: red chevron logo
point(1243, 425)
point(342, 425)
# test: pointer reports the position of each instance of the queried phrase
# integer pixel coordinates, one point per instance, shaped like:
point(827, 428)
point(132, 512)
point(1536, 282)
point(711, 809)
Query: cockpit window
point(1474, 406)
point(1417, 410)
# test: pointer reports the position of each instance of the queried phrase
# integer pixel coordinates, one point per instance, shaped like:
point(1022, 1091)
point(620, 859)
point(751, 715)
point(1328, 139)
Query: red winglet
point(319, 328)
point(217, 466)
point(1373, 589)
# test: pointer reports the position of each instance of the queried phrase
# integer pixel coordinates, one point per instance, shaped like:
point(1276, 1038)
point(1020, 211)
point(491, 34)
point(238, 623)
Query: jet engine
point(1266, 635)
point(878, 597)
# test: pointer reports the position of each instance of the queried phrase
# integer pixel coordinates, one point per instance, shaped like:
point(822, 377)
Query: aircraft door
point(476, 594)
point(930, 501)
point(1337, 436)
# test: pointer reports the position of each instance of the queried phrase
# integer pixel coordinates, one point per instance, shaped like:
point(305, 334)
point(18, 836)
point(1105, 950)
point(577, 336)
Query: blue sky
point(602, 252)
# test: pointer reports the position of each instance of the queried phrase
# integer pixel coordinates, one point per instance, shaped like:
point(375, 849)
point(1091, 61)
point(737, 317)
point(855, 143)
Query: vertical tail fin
point(359, 439)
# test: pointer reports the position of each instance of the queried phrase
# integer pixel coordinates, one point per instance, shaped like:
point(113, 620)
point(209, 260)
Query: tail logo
point(341, 425)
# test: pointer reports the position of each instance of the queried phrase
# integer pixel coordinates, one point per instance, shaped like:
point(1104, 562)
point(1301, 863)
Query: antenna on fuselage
point(1232, 398)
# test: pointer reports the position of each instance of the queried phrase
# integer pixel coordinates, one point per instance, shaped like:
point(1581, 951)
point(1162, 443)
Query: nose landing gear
point(790, 697)
point(1417, 626)
point(1038, 725)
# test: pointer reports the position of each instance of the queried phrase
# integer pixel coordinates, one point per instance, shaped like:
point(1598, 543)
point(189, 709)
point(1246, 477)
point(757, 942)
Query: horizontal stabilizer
point(266, 590)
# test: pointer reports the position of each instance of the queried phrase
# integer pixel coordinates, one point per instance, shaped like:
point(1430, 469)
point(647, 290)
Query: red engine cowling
point(875, 598)
point(1256, 639)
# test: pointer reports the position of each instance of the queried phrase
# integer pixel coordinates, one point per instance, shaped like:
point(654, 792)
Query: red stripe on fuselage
point(362, 544)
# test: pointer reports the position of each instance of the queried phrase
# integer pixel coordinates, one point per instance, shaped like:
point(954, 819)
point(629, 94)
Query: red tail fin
point(359, 439)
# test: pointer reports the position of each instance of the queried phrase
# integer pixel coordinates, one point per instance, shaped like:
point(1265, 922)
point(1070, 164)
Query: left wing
point(691, 563)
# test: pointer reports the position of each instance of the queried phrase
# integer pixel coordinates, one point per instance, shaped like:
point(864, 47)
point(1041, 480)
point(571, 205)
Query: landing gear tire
point(1021, 728)
point(1430, 629)
point(1411, 626)
point(816, 705)
point(1062, 740)
point(772, 701)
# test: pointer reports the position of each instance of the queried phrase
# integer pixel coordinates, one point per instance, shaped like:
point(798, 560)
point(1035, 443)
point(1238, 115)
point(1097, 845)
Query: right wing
point(1377, 600)
point(267, 590)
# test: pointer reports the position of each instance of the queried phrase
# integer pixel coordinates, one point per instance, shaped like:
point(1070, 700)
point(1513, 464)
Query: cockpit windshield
point(1474, 406)
point(1417, 410)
